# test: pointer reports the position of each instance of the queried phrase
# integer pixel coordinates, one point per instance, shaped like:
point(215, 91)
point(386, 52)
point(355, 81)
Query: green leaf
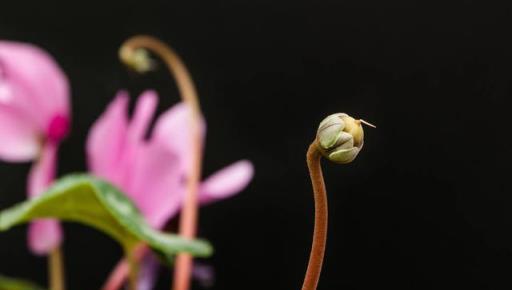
point(15, 284)
point(85, 199)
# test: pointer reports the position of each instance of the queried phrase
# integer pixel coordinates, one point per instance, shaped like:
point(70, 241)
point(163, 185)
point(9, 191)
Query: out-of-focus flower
point(148, 273)
point(204, 274)
point(152, 170)
point(34, 118)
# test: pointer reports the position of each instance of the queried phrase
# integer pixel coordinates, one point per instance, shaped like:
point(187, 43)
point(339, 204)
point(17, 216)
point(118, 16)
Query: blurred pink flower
point(152, 170)
point(34, 118)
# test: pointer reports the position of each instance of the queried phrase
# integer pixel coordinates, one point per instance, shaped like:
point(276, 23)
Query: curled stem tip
point(133, 52)
point(137, 59)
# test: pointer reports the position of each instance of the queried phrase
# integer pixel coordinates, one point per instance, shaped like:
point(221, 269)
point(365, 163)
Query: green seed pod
point(340, 138)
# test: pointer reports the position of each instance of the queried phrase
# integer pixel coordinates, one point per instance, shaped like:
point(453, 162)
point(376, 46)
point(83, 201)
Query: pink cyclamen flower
point(152, 169)
point(34, 118)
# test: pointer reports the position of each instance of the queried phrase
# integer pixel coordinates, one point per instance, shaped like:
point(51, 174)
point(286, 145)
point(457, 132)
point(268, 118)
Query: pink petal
point(18, 136)
point(33, 83)
point(135, 139)
point(107, 140)
point(155, 184)
point(144, 111)
point(44, 235)
point(42, 172)
point(173, 129)
point(148, 172)
point(226, 182)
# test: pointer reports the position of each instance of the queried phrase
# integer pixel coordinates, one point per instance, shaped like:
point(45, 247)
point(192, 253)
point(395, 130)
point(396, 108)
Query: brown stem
point(122, 269)
point(316, 256)
point(133, 268)
point(56, 269)
point(189, 213)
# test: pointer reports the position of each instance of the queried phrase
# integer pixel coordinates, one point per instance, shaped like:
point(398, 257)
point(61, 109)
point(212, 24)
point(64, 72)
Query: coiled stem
point(133, 53)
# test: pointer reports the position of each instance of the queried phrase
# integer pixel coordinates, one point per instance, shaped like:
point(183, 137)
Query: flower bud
point(340, 138)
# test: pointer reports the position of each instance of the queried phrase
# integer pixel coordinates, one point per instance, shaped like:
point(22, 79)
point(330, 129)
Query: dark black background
point(427, 203)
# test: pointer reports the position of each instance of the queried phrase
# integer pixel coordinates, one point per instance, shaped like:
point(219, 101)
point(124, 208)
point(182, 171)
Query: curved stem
point(189, 213)
point(316, 256)
point(56, 270)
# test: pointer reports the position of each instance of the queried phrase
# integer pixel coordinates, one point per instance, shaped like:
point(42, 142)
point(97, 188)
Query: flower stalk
point(133, 53)
point(316, 256)
point(123, 268)
point(56, 270)
point(133, 269)
point(339, 138)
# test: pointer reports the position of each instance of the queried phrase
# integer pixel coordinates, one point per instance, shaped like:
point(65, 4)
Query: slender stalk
point(133, 269)
point(189, 214)
point(122, 269)
point(320, 231)
point(56, 270)
point(117, 276)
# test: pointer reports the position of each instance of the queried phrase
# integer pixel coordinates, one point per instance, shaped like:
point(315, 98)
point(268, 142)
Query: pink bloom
point(34, 118)
point(152, 170)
